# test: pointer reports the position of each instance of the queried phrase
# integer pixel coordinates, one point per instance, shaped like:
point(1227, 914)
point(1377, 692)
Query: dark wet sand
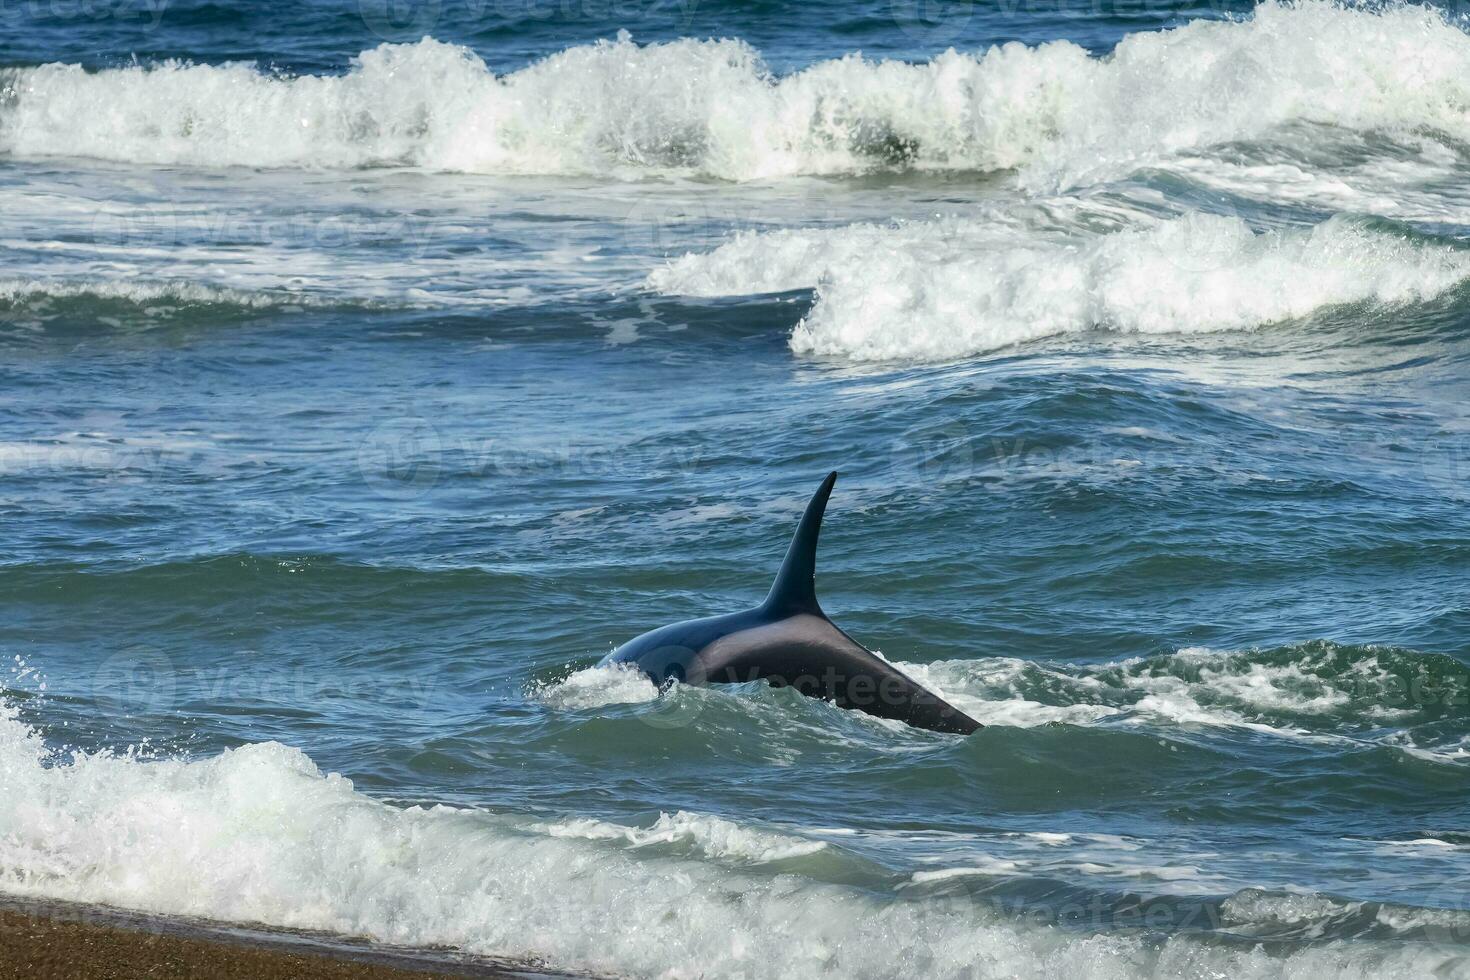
point(42, 940)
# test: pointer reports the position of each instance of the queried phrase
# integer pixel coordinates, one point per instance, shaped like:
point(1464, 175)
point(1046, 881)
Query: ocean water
point(369, 370)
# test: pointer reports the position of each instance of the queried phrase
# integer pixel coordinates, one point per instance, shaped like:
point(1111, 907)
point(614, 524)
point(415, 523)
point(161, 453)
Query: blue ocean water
point(371, 370)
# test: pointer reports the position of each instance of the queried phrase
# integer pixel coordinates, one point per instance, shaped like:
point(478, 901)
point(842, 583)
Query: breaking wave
point(948, 289)
point(261, 834)
point(1055, 112)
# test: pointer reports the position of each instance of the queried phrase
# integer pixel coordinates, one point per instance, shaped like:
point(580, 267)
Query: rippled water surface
point(367, 373)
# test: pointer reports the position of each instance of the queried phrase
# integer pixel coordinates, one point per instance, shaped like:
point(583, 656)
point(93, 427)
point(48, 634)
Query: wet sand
point(42, 940)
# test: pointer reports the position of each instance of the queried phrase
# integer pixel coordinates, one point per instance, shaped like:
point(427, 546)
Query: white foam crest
point(711, 107)
point(1406, 185)
point(982, 865)
point(35, 293)
point(992, 692)
point(949, 289)
point(1457, 753)
point(1231, 691)
point(1106, 858)
point(1254, 907)
point(1309, 916)
point(596, 687)
point(260, 834)
point(1261, 686)
point(1195, 686)
point(1428, 845)
point(971, 686)
point(1312, 914)
point(711, 836)
point(382, 111)
point(1174, 702)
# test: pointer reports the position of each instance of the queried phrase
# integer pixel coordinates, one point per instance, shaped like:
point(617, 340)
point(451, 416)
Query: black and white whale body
point(790, 642)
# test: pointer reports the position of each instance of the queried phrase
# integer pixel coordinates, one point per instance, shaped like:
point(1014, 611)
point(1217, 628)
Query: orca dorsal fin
point(795, 589)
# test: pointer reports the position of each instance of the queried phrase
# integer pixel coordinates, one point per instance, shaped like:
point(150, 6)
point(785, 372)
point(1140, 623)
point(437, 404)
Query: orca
point(788, 641)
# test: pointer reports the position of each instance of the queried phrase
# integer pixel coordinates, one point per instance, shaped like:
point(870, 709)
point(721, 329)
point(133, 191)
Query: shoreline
point(46, 938)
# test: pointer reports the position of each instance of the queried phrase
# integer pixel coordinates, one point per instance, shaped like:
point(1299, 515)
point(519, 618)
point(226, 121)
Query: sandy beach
point(43, 940)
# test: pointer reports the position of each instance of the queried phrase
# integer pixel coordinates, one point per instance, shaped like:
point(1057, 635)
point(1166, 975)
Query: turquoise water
point(360, 393)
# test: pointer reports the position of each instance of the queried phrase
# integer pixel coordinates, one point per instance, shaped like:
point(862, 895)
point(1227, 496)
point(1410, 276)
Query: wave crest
point(947, 289)
point(713, 108)
point(261, 834)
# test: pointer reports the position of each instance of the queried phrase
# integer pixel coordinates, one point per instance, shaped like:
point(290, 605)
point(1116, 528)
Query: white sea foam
point(1194, 687)
point(1454, 754)
point(1105, 860)
point(987, 691)
point(993, 691)
point(595, 687)
point(711, 836)
point(1229, 690)
point(1419, 844)
point(260, 834)
point(37, 293)
point(947, 289)
point(711, 107)
point(989, 868)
